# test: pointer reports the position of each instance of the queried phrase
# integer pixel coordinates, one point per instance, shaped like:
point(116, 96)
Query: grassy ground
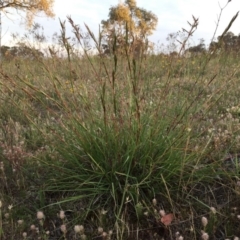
point(117, 148)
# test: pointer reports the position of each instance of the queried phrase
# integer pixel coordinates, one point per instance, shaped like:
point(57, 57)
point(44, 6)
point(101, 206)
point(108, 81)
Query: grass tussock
point(96, 147)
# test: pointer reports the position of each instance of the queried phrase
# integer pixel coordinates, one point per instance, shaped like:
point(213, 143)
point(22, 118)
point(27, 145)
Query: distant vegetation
point(20, 52)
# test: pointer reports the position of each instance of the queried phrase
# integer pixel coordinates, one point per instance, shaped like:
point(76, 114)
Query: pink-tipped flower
point(205, 236)
point(63, 228)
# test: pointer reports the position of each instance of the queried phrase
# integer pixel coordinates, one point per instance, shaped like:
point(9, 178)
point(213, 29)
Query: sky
point(172, 17)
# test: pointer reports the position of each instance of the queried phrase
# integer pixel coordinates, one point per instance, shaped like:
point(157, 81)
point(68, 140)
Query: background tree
point(127, 16)
point(228, 43)
point(31, 7)
point(20, 51)
point(198, 49)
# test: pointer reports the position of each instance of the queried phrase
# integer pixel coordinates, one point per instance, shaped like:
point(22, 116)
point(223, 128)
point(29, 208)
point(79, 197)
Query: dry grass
point(176, 119)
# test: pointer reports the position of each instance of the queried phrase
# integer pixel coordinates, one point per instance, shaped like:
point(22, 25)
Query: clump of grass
point(128, 151)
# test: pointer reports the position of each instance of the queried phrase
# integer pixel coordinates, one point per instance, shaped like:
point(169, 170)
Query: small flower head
point(1, 166)
point(162, 213)
point(146, 213)
point(33, 227)
point(62, 214)
point(40, 215)
point(205, 236)
point(79, 229)
point(213, 210)
point(104, 235)
point(63, 228)
point(154, 201)
point(24, 235)
point(83, 237)
point(10, 207)
point(100, 230)
point(204, 221)
point(20, 222)
point(103, 212)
